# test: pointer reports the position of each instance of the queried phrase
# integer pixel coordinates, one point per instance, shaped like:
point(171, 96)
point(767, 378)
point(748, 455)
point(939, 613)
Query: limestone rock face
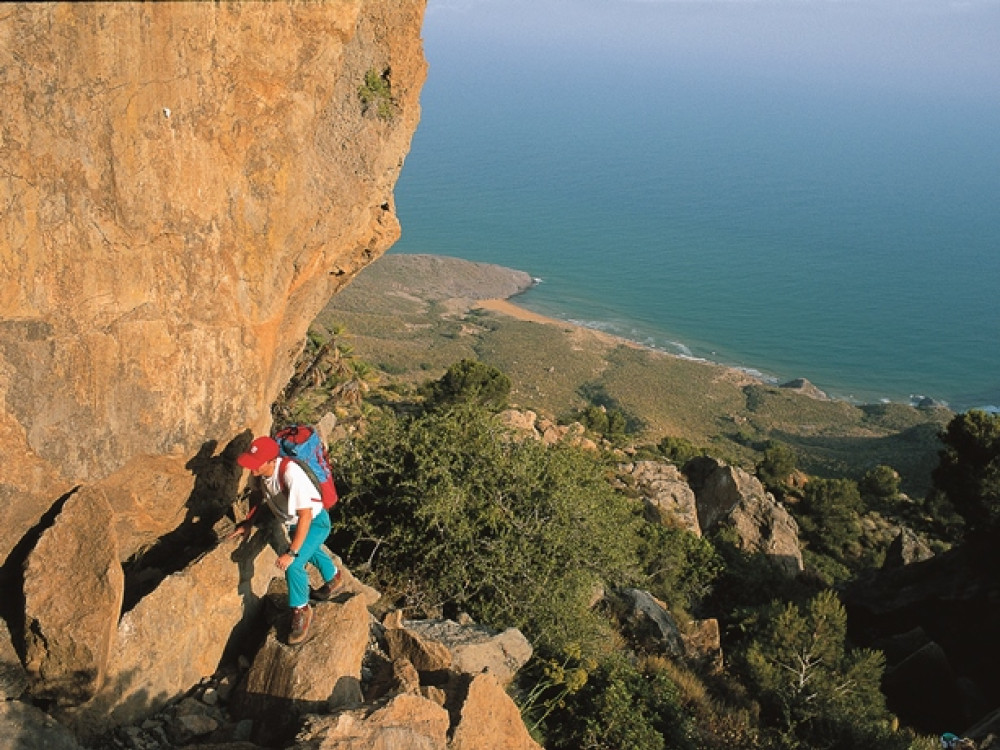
point(73, 591)
point(184, 185)
point(668, 497)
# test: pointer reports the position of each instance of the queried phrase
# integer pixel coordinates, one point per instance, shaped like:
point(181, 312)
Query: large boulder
point(176, 636)
point(489, 718)
point(322, 673)
point(466, 649)
point(647, 621)
point(763, 526)
point(404, 721)
point(907, 548)
point(718, 488)
point(729, 496)
point(73, 592)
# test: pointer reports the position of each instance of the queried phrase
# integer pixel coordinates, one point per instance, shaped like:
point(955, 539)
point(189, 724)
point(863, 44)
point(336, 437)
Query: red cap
point(262, 450)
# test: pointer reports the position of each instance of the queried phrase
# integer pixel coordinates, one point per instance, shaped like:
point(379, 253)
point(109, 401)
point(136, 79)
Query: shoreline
point(495, 288)
point(504, 306)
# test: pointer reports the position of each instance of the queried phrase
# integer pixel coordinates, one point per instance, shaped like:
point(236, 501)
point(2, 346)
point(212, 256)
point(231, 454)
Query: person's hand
point(284, 562)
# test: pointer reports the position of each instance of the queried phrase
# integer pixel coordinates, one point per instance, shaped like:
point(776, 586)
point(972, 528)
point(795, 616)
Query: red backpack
point(302, 444)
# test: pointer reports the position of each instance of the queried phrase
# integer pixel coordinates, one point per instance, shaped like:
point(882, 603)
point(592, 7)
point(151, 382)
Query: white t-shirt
point(302, 493)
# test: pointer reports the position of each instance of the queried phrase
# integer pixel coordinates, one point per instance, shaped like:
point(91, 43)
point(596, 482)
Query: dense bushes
point(624, 704)
point(452, 512)
point(679, 567)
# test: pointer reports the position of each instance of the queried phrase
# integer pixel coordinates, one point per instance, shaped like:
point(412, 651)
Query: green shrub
point(776, 467)
point(879, 485)
point(376, 94)
point(621, 706)
point(814, 690)
point(678, 450)
point(452, 512)
point(469, 381)
point(969, 470)
point(829, 517)
point(681, 568)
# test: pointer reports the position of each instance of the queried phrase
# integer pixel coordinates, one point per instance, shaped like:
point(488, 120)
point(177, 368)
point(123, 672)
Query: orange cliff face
point(184, 185)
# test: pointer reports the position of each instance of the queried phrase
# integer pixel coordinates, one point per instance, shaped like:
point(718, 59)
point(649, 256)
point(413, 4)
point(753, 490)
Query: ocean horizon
point(793, 224)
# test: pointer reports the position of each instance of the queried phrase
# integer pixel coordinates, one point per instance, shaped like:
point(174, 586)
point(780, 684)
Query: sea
point(827, 220)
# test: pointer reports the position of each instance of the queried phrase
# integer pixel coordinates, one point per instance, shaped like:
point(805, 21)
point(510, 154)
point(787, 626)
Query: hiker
point(295, 501)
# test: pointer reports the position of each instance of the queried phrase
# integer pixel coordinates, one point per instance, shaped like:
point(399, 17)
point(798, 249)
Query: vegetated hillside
point(672, 602)
point(412, 316)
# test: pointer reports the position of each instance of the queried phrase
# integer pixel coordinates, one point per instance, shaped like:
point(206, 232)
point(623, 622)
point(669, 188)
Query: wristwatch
point(292, 553)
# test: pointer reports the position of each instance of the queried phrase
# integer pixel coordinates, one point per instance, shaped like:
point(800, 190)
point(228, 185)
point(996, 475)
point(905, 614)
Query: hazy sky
point(919, 45)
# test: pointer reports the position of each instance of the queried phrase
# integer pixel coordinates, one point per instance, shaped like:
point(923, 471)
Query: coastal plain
point(412, 316)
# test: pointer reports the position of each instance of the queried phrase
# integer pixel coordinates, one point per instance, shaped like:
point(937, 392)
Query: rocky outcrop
point(907, 548)
point(287, 682)
point(651, 628)
point(185, 185)
point(666, 494)
point(432, 645)
point(528, 424)
point(803, 386)
point(648, 622)
point(176, 636)
point(727, 495)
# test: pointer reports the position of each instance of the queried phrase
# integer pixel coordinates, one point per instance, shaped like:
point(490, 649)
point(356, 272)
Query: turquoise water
point(848, 234)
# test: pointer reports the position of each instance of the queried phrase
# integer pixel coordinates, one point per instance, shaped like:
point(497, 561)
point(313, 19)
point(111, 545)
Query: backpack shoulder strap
point(282, 467)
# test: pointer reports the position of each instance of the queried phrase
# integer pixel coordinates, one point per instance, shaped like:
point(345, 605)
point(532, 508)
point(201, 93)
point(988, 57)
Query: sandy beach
point(508, 308)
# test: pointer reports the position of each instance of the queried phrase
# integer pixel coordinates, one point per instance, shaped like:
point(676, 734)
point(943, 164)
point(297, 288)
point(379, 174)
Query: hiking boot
point(328, 589)
point(301, 618)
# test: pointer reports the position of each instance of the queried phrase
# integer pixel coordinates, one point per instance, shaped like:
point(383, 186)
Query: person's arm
point(301, 531)
point(244, 528)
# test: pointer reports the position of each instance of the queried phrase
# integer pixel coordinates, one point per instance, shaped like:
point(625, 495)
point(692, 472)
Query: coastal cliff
point(184, 185)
